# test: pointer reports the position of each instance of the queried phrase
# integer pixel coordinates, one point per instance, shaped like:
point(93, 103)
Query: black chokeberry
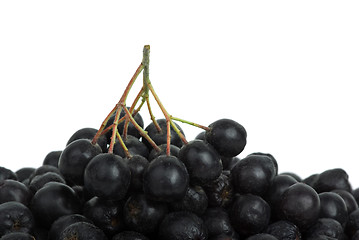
point(165, 179)
point(107, 176)
point(227, 136)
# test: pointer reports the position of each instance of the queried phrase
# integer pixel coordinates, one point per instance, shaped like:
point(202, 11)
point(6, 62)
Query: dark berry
point(217, 222)
point(348, 198)
point(74, 159)
point(300, 204)
point(270, 156)
point(262, 236)
point(283, 229)
point(12, 190)
point(195, 201)
point(52, 158)
point(53, 201)
point(165, 179)
point(63, 222)
point(201, 160)
point(182, 225)
point(143, 215)
point(227, 136)
point(6, 173)
point(40, 180)
point(220, 191)
point(15, 217)
point(229, 162)
point(17, 236)
point(134, 146)
point(174, 151)
point(327, 227)
point(108, 176)
point(82, 231)
point(89, 133)
point(249, 214)
point(129, 235)
point(105, 214)
point(137, 165)
point(333, 206)
point(24, 173)
point(253, 174)
point(332, 179)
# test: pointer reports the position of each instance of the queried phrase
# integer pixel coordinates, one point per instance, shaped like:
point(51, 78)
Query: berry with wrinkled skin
point(332, 179)
point(195, 201)
point(283, 229)
point(63, 222)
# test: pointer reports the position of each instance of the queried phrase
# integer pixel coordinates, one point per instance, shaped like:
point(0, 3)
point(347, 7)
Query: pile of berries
point(125, 181)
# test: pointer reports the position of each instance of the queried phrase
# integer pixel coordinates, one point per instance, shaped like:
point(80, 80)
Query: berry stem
point(142, 132)
point(118, 105)
point(190, 123)
point(114, 129)
point(131, 110)
point(152, 116)
point(123, 145)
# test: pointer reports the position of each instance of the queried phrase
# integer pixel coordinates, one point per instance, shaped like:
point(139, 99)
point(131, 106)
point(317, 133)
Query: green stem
point(190, 123)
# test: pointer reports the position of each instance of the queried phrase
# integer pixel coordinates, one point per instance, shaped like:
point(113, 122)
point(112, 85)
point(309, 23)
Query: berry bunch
point(125, 181)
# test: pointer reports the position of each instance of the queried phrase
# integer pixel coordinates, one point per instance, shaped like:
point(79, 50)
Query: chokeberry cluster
point(128, 181)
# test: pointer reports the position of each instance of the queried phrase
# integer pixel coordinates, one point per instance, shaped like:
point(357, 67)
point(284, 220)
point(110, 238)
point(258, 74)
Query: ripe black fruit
point(182, 225)
point(82, 231)
point(15, 217)
point(165, 179)
point(300, 204)
point(108, 176)
point(53, 201)
point(202, 162)
point(249, 214)
point(227, 136)
point(253, 174)
point(74, 159)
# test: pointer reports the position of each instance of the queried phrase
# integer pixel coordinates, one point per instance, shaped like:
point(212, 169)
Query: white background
point(286, 70)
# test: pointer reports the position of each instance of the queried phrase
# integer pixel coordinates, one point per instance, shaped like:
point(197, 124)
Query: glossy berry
point(182, 225)
point(333, 206)
point(89, 133)
point(40, 180)
point(24, 173)
point(300, 204)
point(217, 222)
point(143, 215)
point(108, 176)
point(348, 198)
point(6, 173)
point(52, 158)
point(227, 136)
point(74, 159)
point(202, 162)
point(262, 236)
point(12, 190)
point(332, 179)
point(253, 174)
point(166, 179)
point(15, 217)
point(249, 214)
point(52, 201)
point(137, 165)
point(63, 222)
point(105, 214)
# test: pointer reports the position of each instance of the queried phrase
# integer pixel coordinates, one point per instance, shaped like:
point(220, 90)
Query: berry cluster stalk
point(130, 113)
